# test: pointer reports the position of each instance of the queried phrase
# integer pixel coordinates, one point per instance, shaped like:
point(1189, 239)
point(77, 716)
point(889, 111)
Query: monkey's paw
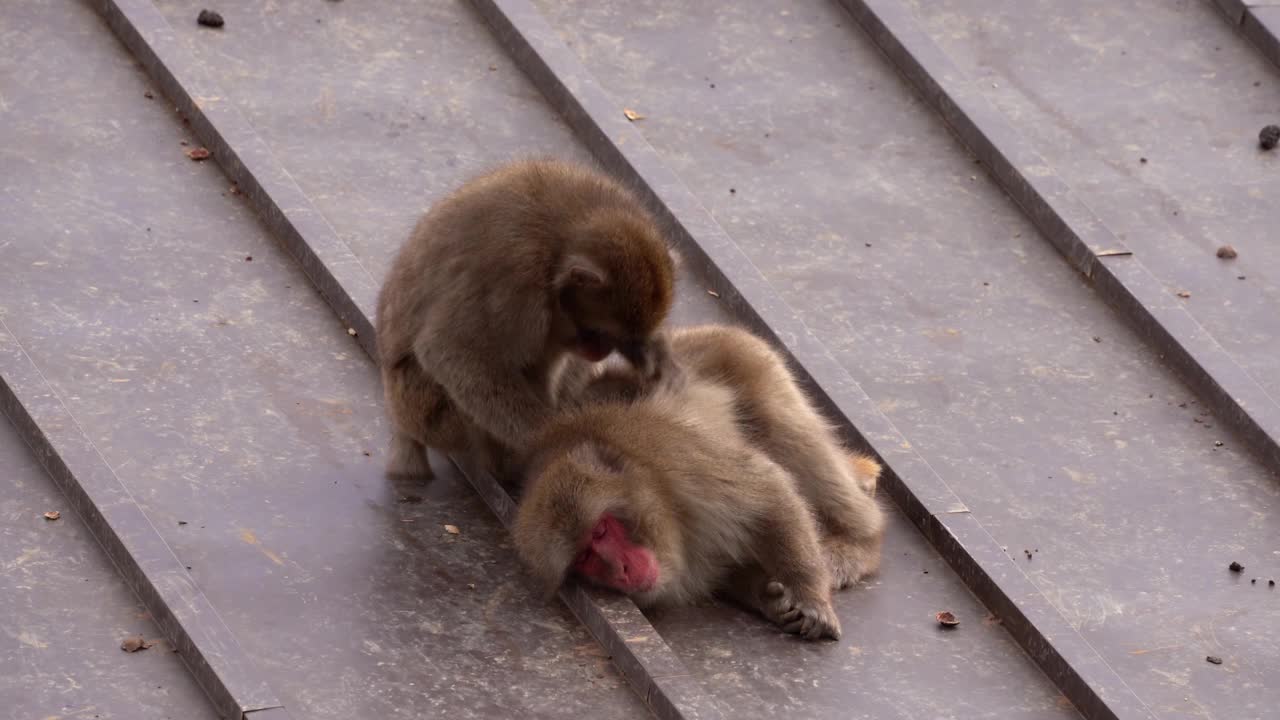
point(809, 619)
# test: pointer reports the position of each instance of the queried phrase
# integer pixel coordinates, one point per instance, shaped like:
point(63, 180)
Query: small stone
point(946, 618)
point(1269, 137)
point(52, 515)
point(351, 332)
point(1217, 443)
point(209, 18)
point(1226, 252)
point(134, 643)
point(248, 258)
point(452, 529)
point(1097, 339)
point(1271, 583)
point(1213, 659)
point(199, 154)
point(1235, 566)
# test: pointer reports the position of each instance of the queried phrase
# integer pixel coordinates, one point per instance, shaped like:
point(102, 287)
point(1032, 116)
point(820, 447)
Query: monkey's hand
point(663, 370)
point(811, 620)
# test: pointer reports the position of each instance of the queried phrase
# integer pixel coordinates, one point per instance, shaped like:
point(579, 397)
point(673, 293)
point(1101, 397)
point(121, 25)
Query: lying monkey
point(714, 475)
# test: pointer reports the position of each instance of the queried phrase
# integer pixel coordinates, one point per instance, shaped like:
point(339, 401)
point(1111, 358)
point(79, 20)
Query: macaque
point(713, 475)
point(500, 285)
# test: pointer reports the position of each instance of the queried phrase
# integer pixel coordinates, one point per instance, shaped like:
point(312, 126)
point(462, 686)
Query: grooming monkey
point(713, 475)
point(497, 288)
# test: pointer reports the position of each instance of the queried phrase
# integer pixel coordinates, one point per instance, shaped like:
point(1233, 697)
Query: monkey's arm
point(502, 400)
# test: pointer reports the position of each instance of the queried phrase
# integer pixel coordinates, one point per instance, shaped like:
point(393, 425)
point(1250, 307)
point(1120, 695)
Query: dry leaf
point(452, 529)
point(134, 643)
point(52, 515)
point(947, 619)
point(632, 115)
point(198, 154)
point(1184, 293)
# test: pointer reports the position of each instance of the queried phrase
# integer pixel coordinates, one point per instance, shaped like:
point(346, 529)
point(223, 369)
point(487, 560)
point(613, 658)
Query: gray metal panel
point(146, 562)
point(66, 611)
point(991, 644)
point(962, 324)
point(245, 423)
point(1262, 26)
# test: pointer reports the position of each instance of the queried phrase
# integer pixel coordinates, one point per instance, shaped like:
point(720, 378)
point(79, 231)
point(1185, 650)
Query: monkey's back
point(489, 246)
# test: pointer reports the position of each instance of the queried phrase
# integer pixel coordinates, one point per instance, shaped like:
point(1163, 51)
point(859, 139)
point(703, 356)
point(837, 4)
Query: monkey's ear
point(578, 271)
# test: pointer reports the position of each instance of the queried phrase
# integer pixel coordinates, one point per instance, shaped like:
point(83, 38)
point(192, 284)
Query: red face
point(609, 558)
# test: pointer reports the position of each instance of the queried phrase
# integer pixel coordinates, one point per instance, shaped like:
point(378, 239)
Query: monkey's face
point(610, 558)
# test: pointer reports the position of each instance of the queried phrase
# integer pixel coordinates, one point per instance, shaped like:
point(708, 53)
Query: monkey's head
point(614, 285)
point(586, 514)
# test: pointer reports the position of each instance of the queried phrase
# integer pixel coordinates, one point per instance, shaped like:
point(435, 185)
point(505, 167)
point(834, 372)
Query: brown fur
point(722, 468)
point(489, 293)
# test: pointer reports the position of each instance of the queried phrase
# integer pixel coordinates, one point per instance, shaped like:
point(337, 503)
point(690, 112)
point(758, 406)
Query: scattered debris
point(1217, 443)
point(1235, 566)
point(1097, 339)
point(410, 499)
point(352, 332)
point(1114, 253)
point(198, 154)
point(471, 586)
point(209, 18)
point(632, 115)
point(248, 258)
point(1239, 277)
point(182, 522)
point(732, 191)
point(493, 68)
point(1226, 252)
point(134, 643)
point(1142, 160)
point(52, 515)
point(1271, 583)
point(234, 189)
point(1269, 137)
point(713, 293)
point(1253, 581)
point(946, 618)
point(366, 453)
point(1028, 552)
point(1184, 293)
point(148, 95)
point(452, 529)
point(1213, 659)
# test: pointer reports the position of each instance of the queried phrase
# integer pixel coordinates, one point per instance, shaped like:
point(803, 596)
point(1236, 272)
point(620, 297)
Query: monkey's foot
point(809, 619)
point(849, 561)
point(408, 459)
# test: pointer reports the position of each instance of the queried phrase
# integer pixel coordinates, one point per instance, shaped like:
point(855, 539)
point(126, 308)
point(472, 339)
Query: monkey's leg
point(421, 417)
point(791, 557)
point(835, 485)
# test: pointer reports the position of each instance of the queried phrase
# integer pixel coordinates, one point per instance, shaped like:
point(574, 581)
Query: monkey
point(499, 289)
point(713, 475)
